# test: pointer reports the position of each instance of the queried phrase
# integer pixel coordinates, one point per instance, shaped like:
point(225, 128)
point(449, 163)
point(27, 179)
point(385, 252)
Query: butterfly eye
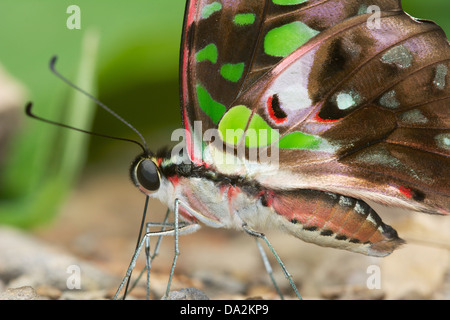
point(147, 175)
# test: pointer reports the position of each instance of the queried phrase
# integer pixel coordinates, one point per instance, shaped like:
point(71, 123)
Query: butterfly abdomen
point(334, 220)
point(324, 218)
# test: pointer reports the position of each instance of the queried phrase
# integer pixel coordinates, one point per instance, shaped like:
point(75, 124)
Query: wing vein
point(416, 148)
point(255, 49)
point(421, 104)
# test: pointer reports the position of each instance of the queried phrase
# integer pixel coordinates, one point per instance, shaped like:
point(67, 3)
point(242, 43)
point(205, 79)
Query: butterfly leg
point(177, 251)
point(150, 257)
point(285, 271)
point(177, 230)
point(130, 268)
point(189, 228)
point(268, 267)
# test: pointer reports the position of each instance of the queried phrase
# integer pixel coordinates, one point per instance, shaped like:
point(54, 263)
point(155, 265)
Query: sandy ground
point(97, 229)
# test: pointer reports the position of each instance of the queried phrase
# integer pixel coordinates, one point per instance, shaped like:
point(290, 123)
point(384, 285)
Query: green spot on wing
point(259, 133)
point(287, 2)
point(212, 108)
point(232, 72)
point(244, 19)
point(209, 9)
point(234, 122)
point(299, 140)
point(282, 41)
point(207, 53)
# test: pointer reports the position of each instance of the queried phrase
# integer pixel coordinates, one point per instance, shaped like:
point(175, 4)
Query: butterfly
point(356, 114)
point(297, 113)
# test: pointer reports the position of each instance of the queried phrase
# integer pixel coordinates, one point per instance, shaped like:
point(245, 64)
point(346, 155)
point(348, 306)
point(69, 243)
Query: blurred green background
point(126, 53)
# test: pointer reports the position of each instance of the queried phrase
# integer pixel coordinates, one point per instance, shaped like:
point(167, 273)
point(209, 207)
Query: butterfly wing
point(360, 109)
point(223, 50)
point(384, 108)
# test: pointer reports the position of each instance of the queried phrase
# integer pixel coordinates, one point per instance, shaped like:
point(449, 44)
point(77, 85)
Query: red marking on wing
point(406, 191)
point(189, 138)
point(319, 119)
point(184, 74)
point(272, 112)
point(190, 143)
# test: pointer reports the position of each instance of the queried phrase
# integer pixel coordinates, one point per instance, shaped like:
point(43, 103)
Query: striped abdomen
point(333, 220)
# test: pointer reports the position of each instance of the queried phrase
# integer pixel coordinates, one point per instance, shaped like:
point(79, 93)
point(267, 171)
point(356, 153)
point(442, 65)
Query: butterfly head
point(145, 172)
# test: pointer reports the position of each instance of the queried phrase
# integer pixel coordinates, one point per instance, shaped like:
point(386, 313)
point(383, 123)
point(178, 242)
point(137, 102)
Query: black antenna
point(143, 145)
point(29, 106)
point(29, 113)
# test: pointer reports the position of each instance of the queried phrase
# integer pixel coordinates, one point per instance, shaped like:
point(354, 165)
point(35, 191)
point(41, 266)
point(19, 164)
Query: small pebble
point(49, 292)
point(21, 293)
point(187, 294)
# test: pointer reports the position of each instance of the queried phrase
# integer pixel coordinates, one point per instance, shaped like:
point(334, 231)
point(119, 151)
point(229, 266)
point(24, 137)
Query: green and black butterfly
point(297, 113)
point(355, 112)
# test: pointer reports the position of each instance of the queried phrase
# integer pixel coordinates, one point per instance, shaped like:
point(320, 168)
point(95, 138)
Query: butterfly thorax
point(207, 191)
point(215, 199)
